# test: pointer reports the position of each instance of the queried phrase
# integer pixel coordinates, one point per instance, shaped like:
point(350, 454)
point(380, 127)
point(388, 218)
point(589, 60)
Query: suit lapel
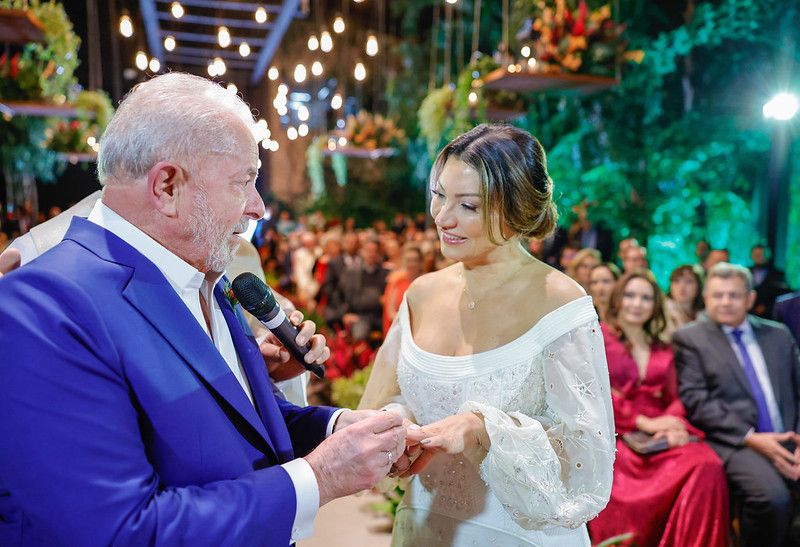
point(771, 359)
point(725, 351)
point(260, 384)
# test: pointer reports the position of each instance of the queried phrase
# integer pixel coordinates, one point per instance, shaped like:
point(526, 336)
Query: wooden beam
point(273, 39)
point(148, 9)
point(213, 21)
point(233, 6)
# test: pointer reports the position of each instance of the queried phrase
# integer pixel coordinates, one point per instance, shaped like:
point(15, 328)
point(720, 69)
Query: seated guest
point(398, 281)
point(675, 496)
point(136, 408)
point(768, 281)
point(580, 267)
point(601, 284)
point(685, 296)
point(739, 378)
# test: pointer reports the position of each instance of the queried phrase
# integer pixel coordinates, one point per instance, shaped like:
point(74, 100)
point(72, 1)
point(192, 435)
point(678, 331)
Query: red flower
point(14, 66)
point(74, 125)
point(3, 59)
point(580, 24)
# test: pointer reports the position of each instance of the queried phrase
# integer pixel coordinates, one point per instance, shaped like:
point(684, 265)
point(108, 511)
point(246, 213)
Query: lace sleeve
point(382, 389)
point(556, 470)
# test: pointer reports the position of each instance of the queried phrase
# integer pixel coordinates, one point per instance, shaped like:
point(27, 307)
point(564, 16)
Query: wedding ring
point(389, 458)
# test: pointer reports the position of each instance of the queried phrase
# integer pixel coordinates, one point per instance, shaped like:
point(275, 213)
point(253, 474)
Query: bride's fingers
point(419, 464)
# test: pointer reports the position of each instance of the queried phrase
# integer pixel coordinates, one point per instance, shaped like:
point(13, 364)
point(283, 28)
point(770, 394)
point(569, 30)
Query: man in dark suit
point(787, 310)
point(768, 282)
point(135, 406)
point(739, 379)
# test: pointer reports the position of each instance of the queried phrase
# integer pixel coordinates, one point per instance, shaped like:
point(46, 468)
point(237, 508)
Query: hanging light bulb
point(212, 69)
point(325, 41)
point(223, 36)
point(313, 43)
point(300, 73)
point(244, 49)
point(291, 133)
point(472, 98)
point(219, 64)
point(525, 51)
point(302, 130)
point(126, 26)
point(273, 73)
point(336, 102)
point(360, 72)
point(177, 10)
point(141, 60)
point(338, 25)
point(283, 89)
point(232, 88)
point(261, 15)
point(372, 45)
point(316, 68)
point(302, 113)
point(169, 43)
point(273, 146)
point(155, 65)
point(452, 1)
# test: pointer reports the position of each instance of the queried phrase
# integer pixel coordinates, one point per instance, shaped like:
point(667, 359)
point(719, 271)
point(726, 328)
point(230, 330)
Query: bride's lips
point(452, 239)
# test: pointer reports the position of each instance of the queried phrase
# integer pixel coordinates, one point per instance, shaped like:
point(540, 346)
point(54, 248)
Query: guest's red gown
point(676, 497)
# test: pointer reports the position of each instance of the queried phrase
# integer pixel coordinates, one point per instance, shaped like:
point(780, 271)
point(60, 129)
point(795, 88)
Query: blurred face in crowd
point(728, 300)
point(333, 247)
point(566, 257)
point(638, 303)
point(412, 263)
point(684, 288)
point(391, 249)
point(583, 270)
point(715, 257)
point(350, 243)
point(758, 255)
point(601, 283)
point(626, 244)
point(536, 247)
point(701, 250)
point(456, 210)
point(223, 200)
point(370, 254)
point(635, 258)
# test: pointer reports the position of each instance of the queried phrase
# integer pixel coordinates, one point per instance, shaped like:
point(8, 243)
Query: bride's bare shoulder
point(557, 287)
point(431, 284)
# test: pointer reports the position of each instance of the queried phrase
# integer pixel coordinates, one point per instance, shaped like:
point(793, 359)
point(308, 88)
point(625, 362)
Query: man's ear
point(165, 182)
point(751, 299)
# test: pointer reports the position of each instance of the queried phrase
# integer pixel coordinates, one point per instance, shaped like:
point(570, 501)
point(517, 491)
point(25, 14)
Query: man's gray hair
point(726, 270)
point(176, 117)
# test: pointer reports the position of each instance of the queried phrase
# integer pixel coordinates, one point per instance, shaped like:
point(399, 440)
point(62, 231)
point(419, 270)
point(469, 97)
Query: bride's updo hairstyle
point(515, 184)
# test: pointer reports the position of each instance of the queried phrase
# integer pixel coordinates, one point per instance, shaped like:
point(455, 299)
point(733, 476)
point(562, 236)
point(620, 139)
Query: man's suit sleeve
point(72, 456)
point(708, 413)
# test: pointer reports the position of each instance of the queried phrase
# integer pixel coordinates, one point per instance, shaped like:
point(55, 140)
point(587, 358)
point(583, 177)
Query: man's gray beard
point(206, 232)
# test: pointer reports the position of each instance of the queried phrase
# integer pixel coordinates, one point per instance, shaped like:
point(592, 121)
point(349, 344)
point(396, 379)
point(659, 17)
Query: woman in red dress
point(676, 496)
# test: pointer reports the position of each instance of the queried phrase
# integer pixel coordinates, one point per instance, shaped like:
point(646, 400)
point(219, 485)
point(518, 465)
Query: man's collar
point(745, 327)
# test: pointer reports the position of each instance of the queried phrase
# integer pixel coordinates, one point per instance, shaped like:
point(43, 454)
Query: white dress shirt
point(190, 283)
point(760, 366)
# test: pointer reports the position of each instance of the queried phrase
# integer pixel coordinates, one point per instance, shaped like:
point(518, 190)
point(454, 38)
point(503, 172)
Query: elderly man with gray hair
point(135, 406)
point(739, 379)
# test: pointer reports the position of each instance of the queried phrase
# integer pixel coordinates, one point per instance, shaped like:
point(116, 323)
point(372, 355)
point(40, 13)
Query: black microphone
point(256, 297)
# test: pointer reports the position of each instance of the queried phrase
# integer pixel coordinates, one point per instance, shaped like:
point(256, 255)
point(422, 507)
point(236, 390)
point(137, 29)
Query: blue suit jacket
point(121, 423)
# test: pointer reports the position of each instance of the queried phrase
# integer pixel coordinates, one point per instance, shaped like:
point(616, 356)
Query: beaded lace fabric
point(546, 403)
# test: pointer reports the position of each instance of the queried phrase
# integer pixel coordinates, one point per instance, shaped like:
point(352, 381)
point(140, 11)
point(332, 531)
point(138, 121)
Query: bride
point(500, 359)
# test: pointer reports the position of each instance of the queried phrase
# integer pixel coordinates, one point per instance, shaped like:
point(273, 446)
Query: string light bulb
point(169, 43)
point(336, 102)
point(273, 73)
point(273, 146)
point(302, 113)
point(223, 36)
point(360, 72)
point(302, 130)
point(313, 43)
point(155, 65)
point(244, 49)
point(338, 25)
point(316, 68)
point(525, 51)
point(300, 73)
point(231, 88)
point(177, 10)
point(372, 46)
point(325, 41)
point(291, 133)
point(261, 15)
point(141, 60)
point(472, 98)
point(126, 26)
point(219, 65)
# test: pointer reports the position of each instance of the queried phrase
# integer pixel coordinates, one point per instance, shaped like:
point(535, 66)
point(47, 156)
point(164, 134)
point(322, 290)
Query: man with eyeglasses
point(739, 379)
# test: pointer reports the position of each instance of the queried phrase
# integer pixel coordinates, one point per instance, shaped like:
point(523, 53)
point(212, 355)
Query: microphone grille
point(253, 294)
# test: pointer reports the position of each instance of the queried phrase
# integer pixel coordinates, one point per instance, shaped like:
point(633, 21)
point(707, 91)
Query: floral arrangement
point(566, 36)
point(373, 131)
point(82, 135)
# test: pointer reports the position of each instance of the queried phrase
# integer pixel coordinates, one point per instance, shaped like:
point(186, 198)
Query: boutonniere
point(232, 300)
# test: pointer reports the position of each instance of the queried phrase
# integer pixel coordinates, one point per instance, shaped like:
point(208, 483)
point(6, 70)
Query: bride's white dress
point(546, 402)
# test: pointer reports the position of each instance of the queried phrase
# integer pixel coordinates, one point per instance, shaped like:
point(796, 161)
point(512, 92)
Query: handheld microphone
point(256, 297)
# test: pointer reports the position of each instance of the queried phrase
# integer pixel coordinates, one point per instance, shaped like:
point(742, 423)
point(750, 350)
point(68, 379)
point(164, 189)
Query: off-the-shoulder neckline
point(547, 329)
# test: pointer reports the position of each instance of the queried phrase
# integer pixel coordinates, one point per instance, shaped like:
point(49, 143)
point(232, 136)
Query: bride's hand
point(458, 434)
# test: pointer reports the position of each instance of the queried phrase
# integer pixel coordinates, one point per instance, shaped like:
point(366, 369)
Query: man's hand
point(350, 417)
point(280, 364)
point(463, 433)
point(675, 437)
point(358, 455)
point(768, 445)
point(662, 423)
point(10, 259)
